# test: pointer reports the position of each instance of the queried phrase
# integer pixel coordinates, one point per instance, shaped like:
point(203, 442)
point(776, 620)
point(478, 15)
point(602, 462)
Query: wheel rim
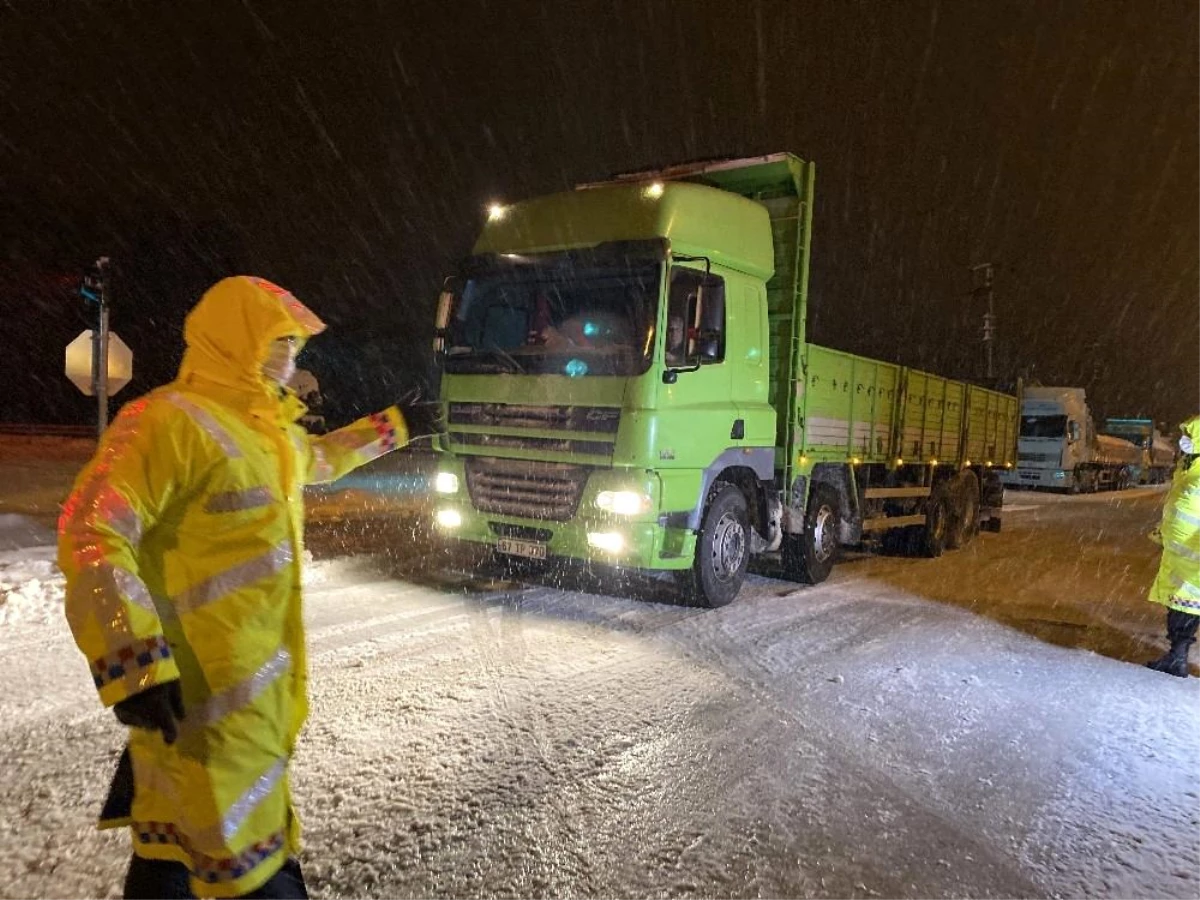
point(937, 521)
point(970, 514)
point(728, 547)
point(824, 538)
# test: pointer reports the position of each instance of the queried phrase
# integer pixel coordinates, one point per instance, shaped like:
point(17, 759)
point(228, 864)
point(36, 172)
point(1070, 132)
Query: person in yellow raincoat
point(182, 543)
point(1177, 585)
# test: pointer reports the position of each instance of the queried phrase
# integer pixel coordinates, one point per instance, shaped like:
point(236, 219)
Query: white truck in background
point(1058, 447)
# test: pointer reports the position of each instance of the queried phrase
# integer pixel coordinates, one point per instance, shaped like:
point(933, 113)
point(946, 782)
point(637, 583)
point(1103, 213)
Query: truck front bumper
point(604, 539)
point(1052, 479)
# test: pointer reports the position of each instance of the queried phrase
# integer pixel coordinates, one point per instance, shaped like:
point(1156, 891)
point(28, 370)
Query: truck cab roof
point(698, 220)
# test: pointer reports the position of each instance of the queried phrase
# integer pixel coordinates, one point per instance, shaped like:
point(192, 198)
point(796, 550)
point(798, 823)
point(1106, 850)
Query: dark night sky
point(346, 150)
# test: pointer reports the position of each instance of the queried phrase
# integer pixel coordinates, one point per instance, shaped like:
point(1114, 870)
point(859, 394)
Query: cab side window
point(695, 332)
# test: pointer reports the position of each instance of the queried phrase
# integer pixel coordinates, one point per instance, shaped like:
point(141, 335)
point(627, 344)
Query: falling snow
point(977, 725)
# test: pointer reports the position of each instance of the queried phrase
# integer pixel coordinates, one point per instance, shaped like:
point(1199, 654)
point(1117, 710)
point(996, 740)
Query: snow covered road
point(972, 726)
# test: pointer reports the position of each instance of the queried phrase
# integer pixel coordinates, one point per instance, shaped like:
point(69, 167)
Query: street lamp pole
point(96, 290)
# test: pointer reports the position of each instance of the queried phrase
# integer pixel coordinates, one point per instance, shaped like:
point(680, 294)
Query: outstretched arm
point(332, 455)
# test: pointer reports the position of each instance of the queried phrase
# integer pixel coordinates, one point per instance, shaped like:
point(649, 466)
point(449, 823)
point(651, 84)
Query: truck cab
point(1059, 447)
point(1156, 454)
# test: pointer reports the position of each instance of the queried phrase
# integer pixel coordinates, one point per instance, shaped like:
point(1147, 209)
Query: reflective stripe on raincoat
point(182, 545)
point(1178, 582)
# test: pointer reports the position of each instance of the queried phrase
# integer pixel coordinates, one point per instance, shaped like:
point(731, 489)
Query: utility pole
point(1095, 347)
point(96, 290)
point(983, 277)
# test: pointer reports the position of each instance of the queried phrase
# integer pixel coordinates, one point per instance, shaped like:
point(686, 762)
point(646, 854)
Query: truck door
point(748, 362)
point(697, 416)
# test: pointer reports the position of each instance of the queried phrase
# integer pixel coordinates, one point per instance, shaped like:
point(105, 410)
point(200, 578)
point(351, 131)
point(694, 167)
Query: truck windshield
point(571, 313)
point(1043, 426)
point(1137, 438)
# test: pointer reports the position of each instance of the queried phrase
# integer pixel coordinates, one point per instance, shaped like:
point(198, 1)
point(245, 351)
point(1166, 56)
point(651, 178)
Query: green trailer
point(626, 379)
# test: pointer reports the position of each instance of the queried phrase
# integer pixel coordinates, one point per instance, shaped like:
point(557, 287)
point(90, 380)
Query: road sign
point(79, 363)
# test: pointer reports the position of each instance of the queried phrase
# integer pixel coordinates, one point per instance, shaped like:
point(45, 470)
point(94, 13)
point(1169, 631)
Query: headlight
point(608, 541)
point(446, 483)
point(449, 518)
point(623, 503)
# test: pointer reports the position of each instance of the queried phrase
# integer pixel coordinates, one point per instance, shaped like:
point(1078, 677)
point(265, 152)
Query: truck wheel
point(938, 515)
point(809, 557)
point(966, 511)
point(722, 549)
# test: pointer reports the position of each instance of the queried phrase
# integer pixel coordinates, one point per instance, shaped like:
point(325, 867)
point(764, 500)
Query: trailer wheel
point(809, 556)
point(966, 511)
point(938, 515)
point(722, 550)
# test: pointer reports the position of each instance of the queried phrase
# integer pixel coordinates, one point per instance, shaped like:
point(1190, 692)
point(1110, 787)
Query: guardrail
point(41, 430)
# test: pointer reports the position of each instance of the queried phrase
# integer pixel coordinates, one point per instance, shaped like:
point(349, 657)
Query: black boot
point(1181, 632)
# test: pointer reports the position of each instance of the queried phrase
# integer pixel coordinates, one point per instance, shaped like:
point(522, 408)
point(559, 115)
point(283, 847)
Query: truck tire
point(966, 510)
point(809, 557)
point(939, 515)
point(722, 549)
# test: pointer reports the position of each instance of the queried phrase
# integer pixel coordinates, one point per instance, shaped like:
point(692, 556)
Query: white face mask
point(280, 364)
point(1186, 445)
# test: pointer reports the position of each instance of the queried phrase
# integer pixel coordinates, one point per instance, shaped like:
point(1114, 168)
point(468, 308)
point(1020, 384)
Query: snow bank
point(31, 585)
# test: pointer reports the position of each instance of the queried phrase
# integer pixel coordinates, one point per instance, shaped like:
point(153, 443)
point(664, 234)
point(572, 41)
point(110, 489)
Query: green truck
point(626, 379)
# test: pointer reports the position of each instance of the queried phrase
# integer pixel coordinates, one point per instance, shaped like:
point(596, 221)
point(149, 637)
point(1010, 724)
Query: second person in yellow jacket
point(1177, 585)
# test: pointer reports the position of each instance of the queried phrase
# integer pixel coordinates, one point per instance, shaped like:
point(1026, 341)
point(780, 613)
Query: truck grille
point(521, 442)
point(596, 419)
point(1038, 457)
point(526, 489)
point(581, 430)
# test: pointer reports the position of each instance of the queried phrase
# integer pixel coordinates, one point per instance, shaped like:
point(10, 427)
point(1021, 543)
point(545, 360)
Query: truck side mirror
point(445, 299)
point(710, 317)
point(1072, 431)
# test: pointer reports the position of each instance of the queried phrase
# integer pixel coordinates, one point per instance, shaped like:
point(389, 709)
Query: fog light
point(1060, 474)
point(623, 503)
point(608, 541)
point(449, 518)
point(446, 483)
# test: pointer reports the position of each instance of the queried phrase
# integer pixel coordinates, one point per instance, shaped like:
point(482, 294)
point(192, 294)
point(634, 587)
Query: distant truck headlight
point(623, 503)
point(446, 483)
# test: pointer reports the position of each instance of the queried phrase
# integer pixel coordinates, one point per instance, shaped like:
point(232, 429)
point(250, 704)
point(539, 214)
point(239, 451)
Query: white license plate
point(528, 549)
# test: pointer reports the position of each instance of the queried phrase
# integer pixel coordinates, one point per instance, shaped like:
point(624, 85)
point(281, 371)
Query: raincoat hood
point(229, 333)
point(1192, 429)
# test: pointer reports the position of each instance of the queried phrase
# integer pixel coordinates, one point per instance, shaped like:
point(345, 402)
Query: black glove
point(155, 708)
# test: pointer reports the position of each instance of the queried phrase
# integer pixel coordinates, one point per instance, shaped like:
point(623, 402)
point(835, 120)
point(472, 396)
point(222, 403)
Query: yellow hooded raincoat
point(1178, 582)
point(181, 542)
